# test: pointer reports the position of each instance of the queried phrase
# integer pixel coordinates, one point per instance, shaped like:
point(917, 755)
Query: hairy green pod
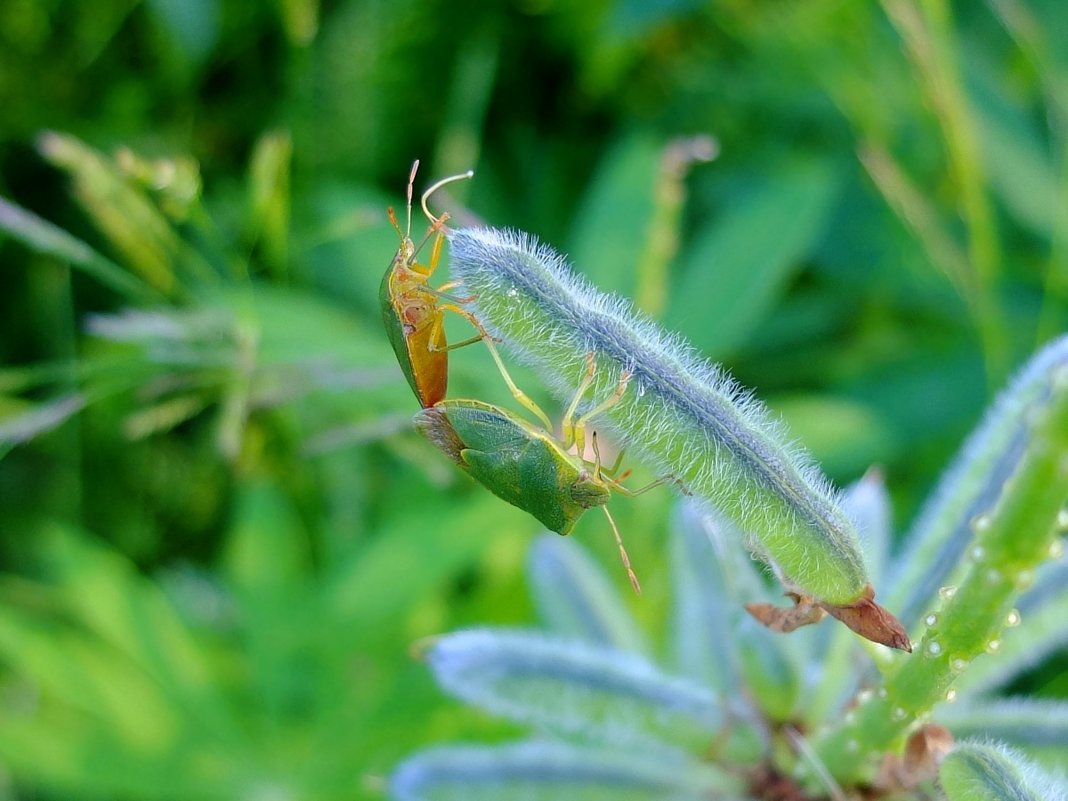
point(978, 771)
point(681, 414)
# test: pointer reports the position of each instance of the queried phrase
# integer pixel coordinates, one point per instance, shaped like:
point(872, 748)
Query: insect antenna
point(623, 553)
point(406, 234)
point(411, 191)
point(434, 188)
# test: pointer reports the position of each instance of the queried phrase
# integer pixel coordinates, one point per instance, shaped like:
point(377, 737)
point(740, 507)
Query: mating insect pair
point(527, 466)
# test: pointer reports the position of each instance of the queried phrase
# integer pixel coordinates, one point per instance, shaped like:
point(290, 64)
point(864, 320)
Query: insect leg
point(443, 292)
point(631, 493)
point(608, 476)
point(435, 251)
point(567, 425)
point(579, 427)
point(611, 471)
point(517, 393)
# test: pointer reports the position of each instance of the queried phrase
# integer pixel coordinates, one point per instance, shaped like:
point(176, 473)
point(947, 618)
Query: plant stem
point(1022, 530)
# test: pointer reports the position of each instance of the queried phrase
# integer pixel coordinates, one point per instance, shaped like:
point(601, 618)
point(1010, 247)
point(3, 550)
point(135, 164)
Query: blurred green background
point(220, 536)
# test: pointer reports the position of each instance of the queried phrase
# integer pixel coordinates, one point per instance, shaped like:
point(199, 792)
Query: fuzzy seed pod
point(681, 414)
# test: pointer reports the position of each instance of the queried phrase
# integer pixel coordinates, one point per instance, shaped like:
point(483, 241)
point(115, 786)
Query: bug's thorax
point(413, 303)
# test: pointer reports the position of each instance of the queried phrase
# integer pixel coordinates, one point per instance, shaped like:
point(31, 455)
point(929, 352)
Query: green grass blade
point(43, 237)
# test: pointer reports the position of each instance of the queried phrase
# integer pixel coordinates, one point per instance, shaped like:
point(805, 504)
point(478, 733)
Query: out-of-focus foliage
point(219, 534)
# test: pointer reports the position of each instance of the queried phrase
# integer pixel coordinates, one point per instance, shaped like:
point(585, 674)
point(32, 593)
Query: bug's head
point(589, 491)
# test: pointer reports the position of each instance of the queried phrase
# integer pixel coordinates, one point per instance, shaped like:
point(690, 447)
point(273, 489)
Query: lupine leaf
point(575, 598)
point(713, 577)
point(574, 688)
point(1019, 532)
point(1023, 721)
point(547, 771)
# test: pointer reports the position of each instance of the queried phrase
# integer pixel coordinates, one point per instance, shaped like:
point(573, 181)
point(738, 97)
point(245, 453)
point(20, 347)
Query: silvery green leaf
point(716, 641)
point(702, 613)
point(574, 688)
point(1023, 721)
point(547, 771)
point(770, 669)
point(1051, 579)
point(990, 772)
point(575, 598)
point(934, 546)
point(868, 503)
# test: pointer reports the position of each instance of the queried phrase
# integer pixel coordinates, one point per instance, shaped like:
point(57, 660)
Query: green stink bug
point(413, 312)
point(527, 466)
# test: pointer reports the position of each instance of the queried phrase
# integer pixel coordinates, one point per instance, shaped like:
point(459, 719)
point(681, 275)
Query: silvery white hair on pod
point(685, 416)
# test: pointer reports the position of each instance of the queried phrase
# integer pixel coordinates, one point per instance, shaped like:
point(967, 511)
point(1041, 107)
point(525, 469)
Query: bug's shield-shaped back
point(409, 327)
point(514, 460)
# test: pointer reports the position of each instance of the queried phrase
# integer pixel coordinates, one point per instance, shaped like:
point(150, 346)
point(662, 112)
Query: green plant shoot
point(529, 467)
point(413, 312)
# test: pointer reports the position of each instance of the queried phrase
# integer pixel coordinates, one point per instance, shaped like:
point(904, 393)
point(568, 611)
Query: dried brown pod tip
point(804, 612)
point(863, 616)
point(871, 621)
